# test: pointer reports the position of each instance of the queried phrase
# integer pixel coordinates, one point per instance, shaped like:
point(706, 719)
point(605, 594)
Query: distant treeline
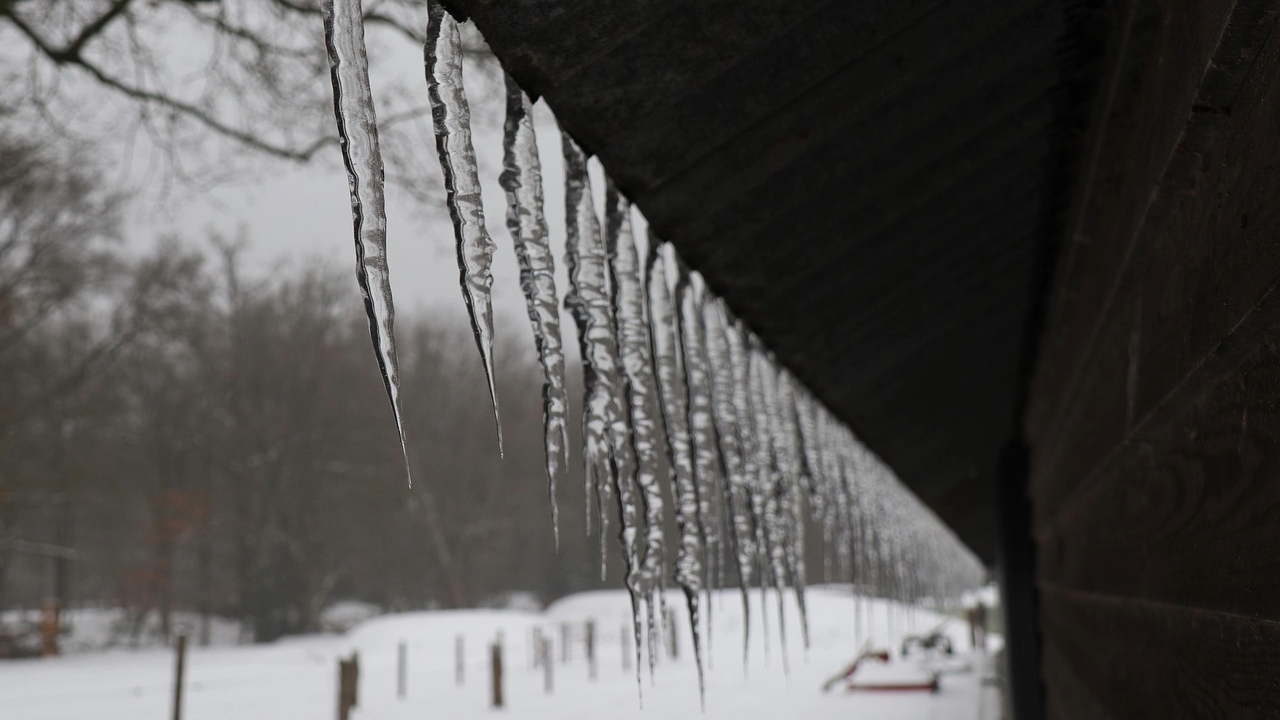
point(181, 431)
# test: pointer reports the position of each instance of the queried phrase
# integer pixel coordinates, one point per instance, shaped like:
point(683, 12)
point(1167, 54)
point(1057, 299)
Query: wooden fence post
point(495, 658)
point(179, 673)
point(459, 660)
point(673, 637)
point(348, 683)
point(591, 649)
point(544, 651)
point(402, 670)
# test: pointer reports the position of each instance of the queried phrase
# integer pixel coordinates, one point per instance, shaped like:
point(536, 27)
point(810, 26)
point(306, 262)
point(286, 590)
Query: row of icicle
point(681, 399)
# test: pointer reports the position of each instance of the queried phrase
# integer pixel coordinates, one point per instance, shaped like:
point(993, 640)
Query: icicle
point(785, 406)
point(358, 137)
point(610, 457)
point(451, 117)
point(707, 465)
point(725, 419)
point(522, 180)
point(737, 406)
point(771, 483)
point(689, 518)
point(639, 383)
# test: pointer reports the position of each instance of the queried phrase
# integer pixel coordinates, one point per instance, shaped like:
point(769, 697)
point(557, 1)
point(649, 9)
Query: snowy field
point(296, 679)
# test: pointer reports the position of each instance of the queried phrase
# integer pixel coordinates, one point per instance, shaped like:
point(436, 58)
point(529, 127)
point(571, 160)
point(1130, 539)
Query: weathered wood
point(495, 674)
point(459, 660)
point(883, 99)
point(402, 669)
point(1142, 660)
point(1162, 51)
point(1195, 270)
point(348, 685)
point(548, 663)
point(179, 675)
point(1186, 512)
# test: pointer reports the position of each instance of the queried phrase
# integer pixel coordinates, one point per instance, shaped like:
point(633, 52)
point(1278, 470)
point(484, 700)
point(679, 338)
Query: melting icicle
point(641, 388)
point(610, 456)
point(451, 117)
point(748, 502)
point(708, 472)
point(706, 456)
point(522, 180)
point(771, 486)
point(689, 517)
point(358, 136)
point(789, 407)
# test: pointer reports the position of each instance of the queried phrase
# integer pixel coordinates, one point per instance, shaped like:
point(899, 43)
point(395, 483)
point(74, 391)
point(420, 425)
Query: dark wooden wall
point(1154, 417)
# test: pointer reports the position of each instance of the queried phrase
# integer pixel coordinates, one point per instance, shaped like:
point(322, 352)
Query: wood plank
point(1187, 513)
point(1183, 288)
point(870, 103)
point(1162, 50)
point(1146, 660)
point(730, 93)
point(539, 41)
point(1067, 696)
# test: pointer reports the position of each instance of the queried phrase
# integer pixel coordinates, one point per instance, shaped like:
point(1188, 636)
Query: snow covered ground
point(297, 678)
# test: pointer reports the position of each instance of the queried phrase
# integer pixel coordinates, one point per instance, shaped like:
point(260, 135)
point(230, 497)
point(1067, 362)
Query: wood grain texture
point(1188, 511)
point(1209, 250)
point(1135, 660)
point(1160, 51)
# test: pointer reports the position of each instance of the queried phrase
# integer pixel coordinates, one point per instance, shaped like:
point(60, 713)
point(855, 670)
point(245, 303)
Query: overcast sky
point(292, 212)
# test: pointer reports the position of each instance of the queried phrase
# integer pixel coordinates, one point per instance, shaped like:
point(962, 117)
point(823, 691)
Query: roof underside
point(871, 185)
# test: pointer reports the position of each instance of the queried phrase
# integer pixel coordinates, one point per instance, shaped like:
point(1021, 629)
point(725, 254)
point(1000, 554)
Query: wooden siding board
point(1144, 660)
point(1188, 512)
point(1154, 82)
point(1197, 267)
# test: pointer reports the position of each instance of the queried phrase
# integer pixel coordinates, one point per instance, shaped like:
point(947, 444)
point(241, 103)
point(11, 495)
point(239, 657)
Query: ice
point(358, 137)
point(451, 117)
point(770, 486)
point(522, 180)
point(787, 411)
point(690, 518)
point(610, 455)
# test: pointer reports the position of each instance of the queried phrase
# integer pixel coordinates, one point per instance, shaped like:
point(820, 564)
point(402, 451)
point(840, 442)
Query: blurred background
point(191, 418)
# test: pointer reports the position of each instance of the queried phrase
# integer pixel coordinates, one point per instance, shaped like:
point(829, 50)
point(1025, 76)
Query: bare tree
point(184, 72)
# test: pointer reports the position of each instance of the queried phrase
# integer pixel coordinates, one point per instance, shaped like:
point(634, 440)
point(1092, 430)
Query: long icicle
point(729, 381)
point(788, 403)
point(689, 519)
point(774, 531)
point(451, 117)
point(641, 389)
point(358, 137)
point(611, 463)
point(522, 180)
point(707, 470)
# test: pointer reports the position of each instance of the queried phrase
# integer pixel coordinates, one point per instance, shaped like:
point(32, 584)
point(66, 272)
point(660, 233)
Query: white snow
point(297, 678)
